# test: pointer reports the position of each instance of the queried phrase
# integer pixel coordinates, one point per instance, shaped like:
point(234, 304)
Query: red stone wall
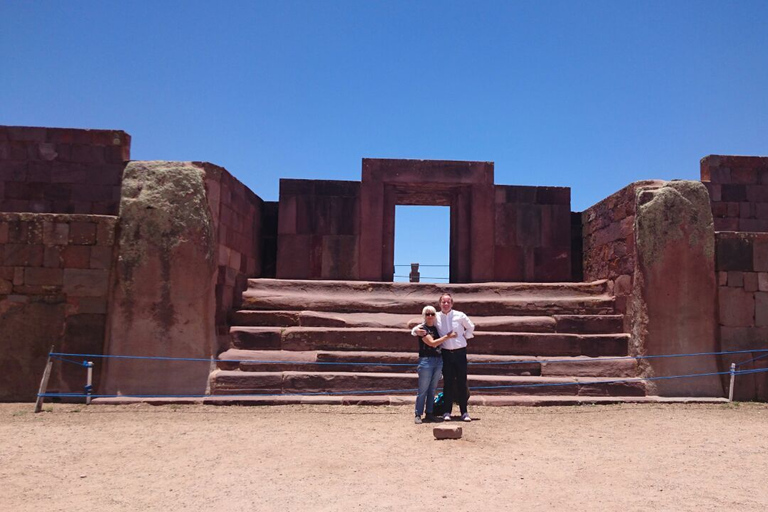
point(532, 234)
point(318, 229)
point(237, 217)
point(54, 283)
point(57, 170)
point(609, 240)
point(742, 274)
point(738, 191)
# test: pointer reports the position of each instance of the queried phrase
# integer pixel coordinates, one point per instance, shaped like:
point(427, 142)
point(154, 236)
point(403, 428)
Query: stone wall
point(237, 218)
point(738, 190)
point(608, 236)
point(532, 234)
point(57, 170)
point(54, 283)
point(318, 229)
point(742, 278)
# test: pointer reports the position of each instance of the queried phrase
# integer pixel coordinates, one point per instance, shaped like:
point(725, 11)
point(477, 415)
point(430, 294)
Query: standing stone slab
point(163, 295)
point(675, 287)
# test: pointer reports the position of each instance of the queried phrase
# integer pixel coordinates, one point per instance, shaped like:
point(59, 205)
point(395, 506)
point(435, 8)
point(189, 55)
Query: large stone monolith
point(674, 296)
point(163, 300)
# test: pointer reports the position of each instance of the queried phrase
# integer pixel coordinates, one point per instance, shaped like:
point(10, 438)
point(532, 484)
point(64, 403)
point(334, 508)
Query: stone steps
point(405, 362)
point(554, 339)
point(227, 382)
point(574, 324)
point(485, 299)
point(400, 340)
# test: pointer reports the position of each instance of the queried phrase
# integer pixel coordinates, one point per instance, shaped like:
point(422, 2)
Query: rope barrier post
point(733, 378)
point(44, 382)
point(88, 382)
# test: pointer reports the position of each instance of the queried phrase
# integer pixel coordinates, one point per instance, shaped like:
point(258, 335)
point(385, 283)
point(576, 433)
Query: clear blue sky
point(588, 95)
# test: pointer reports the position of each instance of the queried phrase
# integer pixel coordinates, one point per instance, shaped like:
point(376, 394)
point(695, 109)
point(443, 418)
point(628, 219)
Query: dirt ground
point(620, 457)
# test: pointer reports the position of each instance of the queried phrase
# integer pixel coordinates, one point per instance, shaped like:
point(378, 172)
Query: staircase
point(560, 333)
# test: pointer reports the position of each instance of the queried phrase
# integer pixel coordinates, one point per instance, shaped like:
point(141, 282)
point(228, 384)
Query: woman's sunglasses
point(430, 314)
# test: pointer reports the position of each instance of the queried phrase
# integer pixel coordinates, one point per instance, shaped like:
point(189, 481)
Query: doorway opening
point(423, 236)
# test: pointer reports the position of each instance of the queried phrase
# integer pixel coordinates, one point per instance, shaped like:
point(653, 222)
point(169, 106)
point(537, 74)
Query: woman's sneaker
point(465, 417)
point(417, 420)
point(447, 416)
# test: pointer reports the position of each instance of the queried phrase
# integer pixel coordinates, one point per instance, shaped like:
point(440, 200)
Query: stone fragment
point(447, 432)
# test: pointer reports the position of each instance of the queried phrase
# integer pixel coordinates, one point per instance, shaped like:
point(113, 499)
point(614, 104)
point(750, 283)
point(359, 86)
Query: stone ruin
point(103, 255)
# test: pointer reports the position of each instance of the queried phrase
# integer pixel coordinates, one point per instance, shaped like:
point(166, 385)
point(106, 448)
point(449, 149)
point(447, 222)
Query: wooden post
point(44, 383)
point(733, 377)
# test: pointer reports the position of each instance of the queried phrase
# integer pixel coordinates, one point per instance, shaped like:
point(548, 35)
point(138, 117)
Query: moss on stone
point(163, 205)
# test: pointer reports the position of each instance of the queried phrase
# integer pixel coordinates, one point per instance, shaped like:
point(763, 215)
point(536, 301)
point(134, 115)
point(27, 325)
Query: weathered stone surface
point(447, 431)
point(29, 328)
point(675, 286)
point(737, 307)
point(164, 299)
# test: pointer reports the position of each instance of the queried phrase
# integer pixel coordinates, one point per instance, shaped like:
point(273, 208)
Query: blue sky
point(589, 95)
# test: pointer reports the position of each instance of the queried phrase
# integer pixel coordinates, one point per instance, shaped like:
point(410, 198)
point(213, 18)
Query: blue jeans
point(430, 370)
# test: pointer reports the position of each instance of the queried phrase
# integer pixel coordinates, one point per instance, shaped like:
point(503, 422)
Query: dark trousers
point(455, 378)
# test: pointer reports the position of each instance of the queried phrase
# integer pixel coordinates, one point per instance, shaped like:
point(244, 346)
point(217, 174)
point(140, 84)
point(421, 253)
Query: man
point(454, 352)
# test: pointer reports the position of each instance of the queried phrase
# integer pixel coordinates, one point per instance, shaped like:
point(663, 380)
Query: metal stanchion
point(88, 382)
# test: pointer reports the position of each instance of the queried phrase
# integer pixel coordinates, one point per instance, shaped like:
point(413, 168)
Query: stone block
point(76, 256)
point(750, 281)
point(447, 431)
point(757, 193)
point(726, 224)
point(762, 281)
point(18, 276)
point(38, 276)
point(761, 309)
point(760, 254)
point(3, 232)
point(737, 307)
point(714, 192)
point(743, 338)
point(6, 287)
point(86, 282)
point(736, 279)
point(745, 211)
point(55, 233)
point(62, 172)
point(22, 255)
point(82, 233)
point(745, 175)
point(734, 193)
point(734, 253)
point(101, 257)
point(722, 278)
point(105, 233)
point(753, 225)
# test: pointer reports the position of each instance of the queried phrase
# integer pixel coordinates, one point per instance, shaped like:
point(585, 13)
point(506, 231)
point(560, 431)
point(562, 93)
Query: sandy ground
point(621, 457)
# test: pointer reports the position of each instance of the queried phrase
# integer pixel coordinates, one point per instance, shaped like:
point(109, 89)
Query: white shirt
point(453, 321)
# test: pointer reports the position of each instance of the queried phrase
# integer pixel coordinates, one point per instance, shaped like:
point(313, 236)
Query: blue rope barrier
point(394, 391)
point(379, 363)
point(751, 360)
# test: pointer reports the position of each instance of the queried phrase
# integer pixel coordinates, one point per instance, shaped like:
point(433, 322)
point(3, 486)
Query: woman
point(430, 363)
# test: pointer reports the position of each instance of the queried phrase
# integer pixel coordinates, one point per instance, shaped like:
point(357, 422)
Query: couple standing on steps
point(443, 348)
